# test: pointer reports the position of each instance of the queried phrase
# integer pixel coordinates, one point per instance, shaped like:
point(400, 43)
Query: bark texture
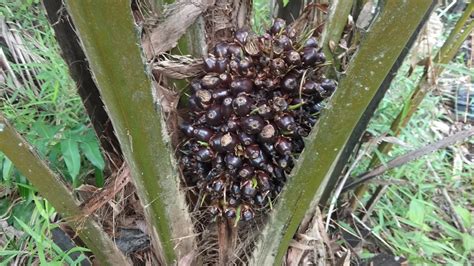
point(78, 65)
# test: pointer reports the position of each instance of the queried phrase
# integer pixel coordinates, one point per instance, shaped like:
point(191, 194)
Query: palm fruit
point(247, 119)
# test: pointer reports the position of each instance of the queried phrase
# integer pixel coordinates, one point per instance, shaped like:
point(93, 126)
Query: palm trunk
point(110, 41)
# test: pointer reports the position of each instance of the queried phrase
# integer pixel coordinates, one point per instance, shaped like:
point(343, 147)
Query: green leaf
point(237, 219)
point(468, 242)
point(254, 182)
point(416, 212)
point(465, 216)
point(7, 170)
point(45, 131)
point(72, 158)
point(23, 188)
point(21, 211)
point(92, 152)
point(285, 2)
point(36, 236)
point(99, 177)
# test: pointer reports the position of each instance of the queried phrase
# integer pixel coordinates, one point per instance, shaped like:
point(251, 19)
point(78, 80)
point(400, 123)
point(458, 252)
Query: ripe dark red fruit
point(225, 79)
point(292, 58)
point(284, 42)
point(195, 85)
point(263, 181)
point(252, 124)
point(278, 25)
point(245, 65)
point(265, 111)
point(221, 65)
point(278, 66)
point(203, 134)
point(210, 64)
point(193, 105)
point(253, 151)
point(232, 124)
point(227, 106)
point(234, 50)
point(242, 105)
point(186, 128)
point(204, 154)
point(246, 118)
point(279, 174)
point(283, 146)
point(248, 189)
point(311, 56)
point(328, 85)
point(247, 213)
point(218, 185)
point(233, 162)
point(241, 85)
point(285, 122)
point(312, 88)
point(290, 83)
point(269, 149)
point(245, 138)
point(220, 94)
point(311, 42)
point(241, 36)
point(235, 189)
point(220, 50)
point(214, 115)
point(230, 212)
point(246, 172)
point(259, 162)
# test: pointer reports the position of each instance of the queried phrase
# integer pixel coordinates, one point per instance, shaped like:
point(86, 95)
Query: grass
point(412, 218)
point(35, 245)
point(261, 16)
point(48, 111)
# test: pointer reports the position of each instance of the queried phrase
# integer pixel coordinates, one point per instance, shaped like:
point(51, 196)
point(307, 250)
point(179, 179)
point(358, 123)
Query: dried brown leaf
point(104, 195)
point(165, 36)
point(179, 67)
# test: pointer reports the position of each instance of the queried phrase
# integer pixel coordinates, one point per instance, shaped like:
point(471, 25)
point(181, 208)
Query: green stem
point(111, 44)
point(52, 187)
point(329, 145)
point(337, 20)
point(451, 40)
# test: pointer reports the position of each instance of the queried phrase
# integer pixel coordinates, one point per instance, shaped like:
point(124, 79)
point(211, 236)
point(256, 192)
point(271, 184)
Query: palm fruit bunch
point(248, 116)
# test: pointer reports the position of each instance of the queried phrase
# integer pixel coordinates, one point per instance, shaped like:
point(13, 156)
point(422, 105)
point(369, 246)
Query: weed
point(414, 218)
point(49, 113)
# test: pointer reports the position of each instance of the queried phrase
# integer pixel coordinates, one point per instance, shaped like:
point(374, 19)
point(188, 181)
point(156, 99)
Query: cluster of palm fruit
point(248, 116)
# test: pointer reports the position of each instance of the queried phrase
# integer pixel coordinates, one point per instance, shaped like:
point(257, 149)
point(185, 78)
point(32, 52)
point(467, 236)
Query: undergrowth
point(413, 216)
point(48, 112)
